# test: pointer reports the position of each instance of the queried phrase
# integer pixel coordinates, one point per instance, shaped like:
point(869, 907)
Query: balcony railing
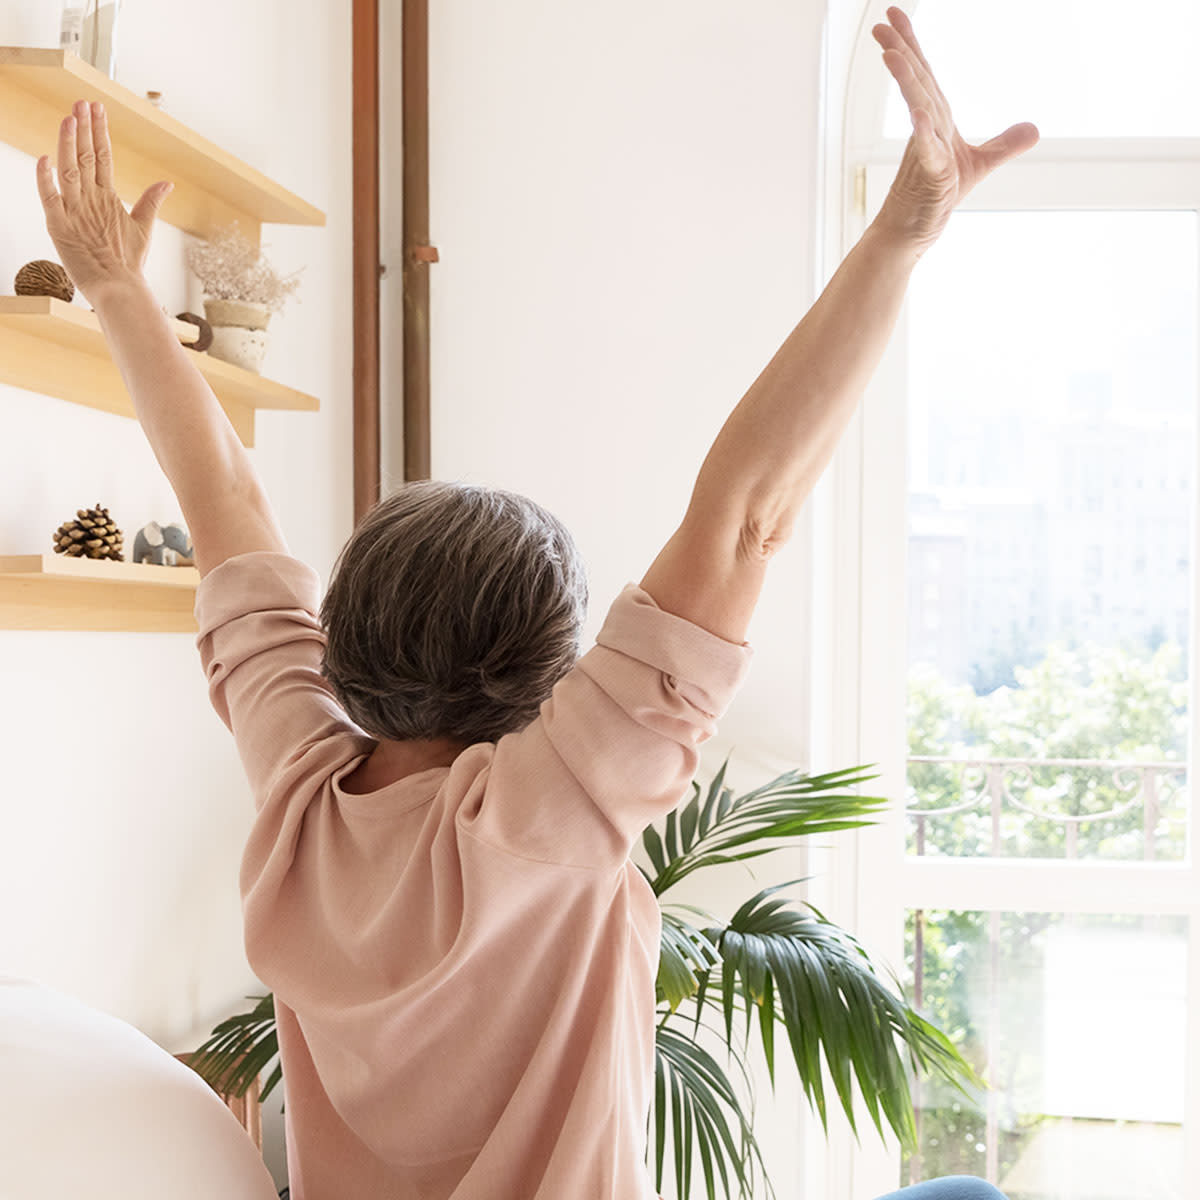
point(1069, 808)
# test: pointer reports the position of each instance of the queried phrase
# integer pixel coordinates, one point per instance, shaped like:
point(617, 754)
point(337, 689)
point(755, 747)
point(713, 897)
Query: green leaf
point(685, 954)
point(729, 828)
point(706, 1120)
point(653, 846)
point(239, 1050)
point(838, 1011)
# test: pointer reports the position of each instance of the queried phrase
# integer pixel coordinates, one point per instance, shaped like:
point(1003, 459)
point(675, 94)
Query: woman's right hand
point(98, 242)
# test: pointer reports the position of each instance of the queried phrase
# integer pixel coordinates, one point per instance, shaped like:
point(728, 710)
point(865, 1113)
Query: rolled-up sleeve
point(618, 742)
point(261, 645)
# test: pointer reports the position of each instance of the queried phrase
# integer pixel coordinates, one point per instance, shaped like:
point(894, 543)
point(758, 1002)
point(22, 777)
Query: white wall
point(123, 808)
point(624, 197)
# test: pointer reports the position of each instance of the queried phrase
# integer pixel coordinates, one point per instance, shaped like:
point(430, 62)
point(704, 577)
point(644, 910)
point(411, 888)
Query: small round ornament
point(44, 278)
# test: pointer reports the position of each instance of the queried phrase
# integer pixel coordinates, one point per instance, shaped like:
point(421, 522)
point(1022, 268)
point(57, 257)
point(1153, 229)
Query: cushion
point(90, 1106)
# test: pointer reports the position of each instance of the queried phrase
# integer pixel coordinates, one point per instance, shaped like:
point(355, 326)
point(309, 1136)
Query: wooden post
point(366, 253)
point(418, 254)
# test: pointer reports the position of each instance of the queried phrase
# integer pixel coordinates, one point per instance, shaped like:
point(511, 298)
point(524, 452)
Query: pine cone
point(93, 534)
point(44, 278)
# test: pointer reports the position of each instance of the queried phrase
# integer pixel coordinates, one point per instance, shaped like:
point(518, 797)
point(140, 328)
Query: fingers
point(102, 144)
point(84, 155)
point(68, 163)
point(903, 26)
point(911, 88)
point(932, 149)
point(84, 151)
point(45, 182)
point(146, 209)
point(898, 38)
point(1007, 145)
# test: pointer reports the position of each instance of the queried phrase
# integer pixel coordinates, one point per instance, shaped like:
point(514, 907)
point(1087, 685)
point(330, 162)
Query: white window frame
point(860, 635)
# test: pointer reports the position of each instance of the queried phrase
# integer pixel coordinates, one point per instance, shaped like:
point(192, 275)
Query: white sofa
point(91, 1107)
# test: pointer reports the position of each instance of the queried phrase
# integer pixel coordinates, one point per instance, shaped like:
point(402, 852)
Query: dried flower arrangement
point(231, 267)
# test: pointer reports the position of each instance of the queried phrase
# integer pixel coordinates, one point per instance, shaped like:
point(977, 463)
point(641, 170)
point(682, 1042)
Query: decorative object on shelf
point(205, 339)
point(164, 545)
point(241, 291)
point(93, 534)
point(44, 278)
point(90, 30)
point(155, 98)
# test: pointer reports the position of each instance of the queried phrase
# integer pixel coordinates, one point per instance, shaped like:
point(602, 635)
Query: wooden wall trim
point(366, 254)
point(418, 254)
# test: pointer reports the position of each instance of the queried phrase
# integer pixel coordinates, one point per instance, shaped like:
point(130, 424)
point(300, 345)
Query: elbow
point(763, 532)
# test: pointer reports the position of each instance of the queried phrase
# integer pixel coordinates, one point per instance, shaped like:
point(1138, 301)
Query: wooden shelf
point(55, 348)
point(213, 189)
point(48, 591)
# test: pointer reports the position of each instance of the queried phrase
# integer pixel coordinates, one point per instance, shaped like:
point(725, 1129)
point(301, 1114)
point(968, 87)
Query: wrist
point(116, 290)
point(894, 244)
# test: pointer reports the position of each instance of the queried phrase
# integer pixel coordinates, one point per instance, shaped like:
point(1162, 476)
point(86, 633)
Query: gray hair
point(453, 611)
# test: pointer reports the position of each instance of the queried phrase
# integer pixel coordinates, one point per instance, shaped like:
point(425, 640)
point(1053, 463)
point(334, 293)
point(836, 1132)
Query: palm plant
point(773, 963)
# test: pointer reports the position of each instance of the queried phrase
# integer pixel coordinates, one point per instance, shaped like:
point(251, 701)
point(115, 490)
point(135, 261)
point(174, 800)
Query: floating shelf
point(58, 349)
point(49, 591)
point(213, 189)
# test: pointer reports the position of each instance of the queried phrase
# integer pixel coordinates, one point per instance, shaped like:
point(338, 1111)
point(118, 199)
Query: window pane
point(1095, 69)
point(1077, 1024)
point(1052, 437)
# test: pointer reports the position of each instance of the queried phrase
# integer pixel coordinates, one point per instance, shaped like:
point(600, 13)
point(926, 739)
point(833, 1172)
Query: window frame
point(862, 515)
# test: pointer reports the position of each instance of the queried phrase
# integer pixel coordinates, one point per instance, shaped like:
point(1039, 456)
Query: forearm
point(779, 439)
point(781, 436)
point(223, 503)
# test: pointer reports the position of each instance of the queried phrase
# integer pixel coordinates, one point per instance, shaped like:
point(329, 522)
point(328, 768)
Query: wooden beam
point(418, 254)
point(366, 254)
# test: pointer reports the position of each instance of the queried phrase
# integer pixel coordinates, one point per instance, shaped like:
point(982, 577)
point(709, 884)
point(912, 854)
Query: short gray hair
point(453, 611)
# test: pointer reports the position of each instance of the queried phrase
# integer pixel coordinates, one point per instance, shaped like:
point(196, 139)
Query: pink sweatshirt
point(463, 962)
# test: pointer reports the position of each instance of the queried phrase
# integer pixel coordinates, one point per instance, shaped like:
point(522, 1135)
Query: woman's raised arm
point(103, 248)
point(778, 440)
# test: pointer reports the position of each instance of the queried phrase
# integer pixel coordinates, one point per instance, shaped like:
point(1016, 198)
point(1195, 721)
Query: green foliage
point(706, 1119)
point(718, 827)
point(1090, 702)
point(776, 965)
point(1084, 702)
point(240, 1049)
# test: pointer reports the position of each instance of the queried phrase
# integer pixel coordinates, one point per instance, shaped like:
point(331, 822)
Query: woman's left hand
point(938, 168)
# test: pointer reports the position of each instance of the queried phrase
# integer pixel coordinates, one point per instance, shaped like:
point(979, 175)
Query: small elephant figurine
point(166, 545)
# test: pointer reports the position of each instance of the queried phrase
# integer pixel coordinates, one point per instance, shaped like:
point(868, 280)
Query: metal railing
point(1146, 799)
point(1005, 788)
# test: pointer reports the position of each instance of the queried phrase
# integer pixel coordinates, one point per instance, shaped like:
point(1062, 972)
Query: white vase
point(239, 332)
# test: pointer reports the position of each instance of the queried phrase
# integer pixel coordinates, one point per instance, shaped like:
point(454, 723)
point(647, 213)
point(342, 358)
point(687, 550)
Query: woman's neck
point(392, 761)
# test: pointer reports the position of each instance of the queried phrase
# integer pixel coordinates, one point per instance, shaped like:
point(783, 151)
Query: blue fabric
point(951, 1187)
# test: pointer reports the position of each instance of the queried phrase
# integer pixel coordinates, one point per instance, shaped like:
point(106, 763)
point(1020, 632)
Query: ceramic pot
point(239, 332)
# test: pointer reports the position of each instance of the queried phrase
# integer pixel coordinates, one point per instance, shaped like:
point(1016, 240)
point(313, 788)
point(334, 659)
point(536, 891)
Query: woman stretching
point(437, 886)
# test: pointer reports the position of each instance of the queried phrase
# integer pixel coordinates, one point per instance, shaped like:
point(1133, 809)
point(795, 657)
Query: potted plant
point(241, 291)
point(774, 962)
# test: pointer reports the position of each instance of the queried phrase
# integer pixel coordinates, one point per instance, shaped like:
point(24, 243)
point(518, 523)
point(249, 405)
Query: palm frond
point(697, 1110)
point(715, 826)
point(835, 1005)
point(685, 956)
point(239, 1050)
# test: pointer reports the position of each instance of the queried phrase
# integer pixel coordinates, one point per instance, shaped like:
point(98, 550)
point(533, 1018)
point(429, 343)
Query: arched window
point(1020, 498)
